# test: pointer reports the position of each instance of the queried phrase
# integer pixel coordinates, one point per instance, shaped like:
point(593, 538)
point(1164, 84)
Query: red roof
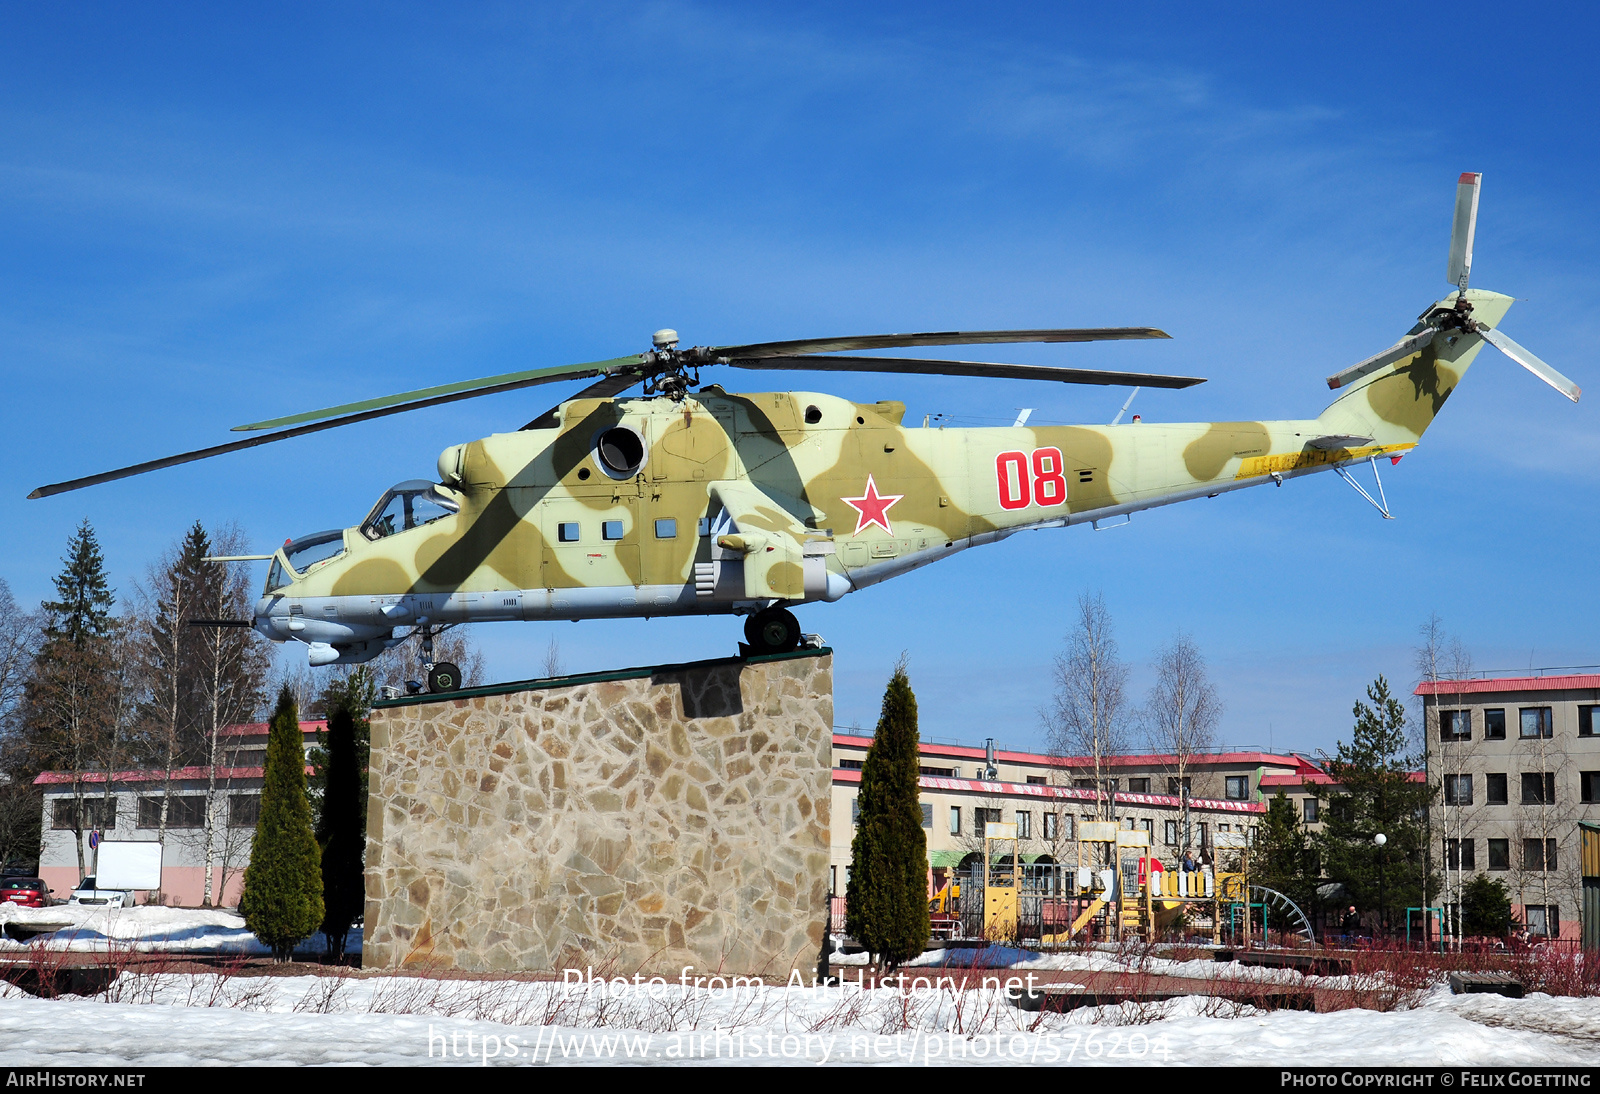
point(1321, 778)
point(1071, 793)
point(1509, 683)
point(1143, 760)
point(261, 729)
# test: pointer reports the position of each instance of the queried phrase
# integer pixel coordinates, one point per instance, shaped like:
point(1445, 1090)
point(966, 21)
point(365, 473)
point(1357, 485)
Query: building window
point(1050, 826)
point(567, 531)
point(1238, 787)
point(1024, 824)
point(244, 810)
point(927, 814)
point(1458, 789)
point(1494, 725)
point(955, 820)
point(183, 811)
point(611, 529)
point(1538, 854)
point(667, 528)
point(1499, 854)
point(833, 880)
point(1138, 786)
point(1083, 784)
point(1460, 854)
point(1589, 786)
point(850, 765)
point(1455, 725)
point(1169, 833)
point(937, 772)
point(1534, 722)
point(1200, 834)
point(981, 818)
point(1036, 780)
point(855, 810)
point(1068, 826)
point(1544, 920)
point(1494, 789)
point(1149, 827)
point(1173, 787)
point(96, 817)
point(1586, 722)
point(1538, 787)
point(1309, 811)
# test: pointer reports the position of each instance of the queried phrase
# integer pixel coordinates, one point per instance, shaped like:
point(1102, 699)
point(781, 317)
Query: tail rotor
point(1456, 315)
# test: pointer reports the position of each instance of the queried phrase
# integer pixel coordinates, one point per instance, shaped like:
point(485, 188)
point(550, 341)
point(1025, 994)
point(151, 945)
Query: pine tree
point(282, 901)
point(71, 707)
point(886, 906)
point(1379, 796)
point(82, 612)
point(342, 821)
point(1282, 858)
point(1486, 908)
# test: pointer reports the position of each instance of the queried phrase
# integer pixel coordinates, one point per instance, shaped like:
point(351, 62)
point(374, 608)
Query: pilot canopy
point(408, 505)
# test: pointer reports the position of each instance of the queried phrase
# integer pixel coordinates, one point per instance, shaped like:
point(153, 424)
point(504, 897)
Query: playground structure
point(1118, 890)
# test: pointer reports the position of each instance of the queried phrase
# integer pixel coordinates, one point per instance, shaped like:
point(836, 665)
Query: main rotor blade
point(935, 338)
point(1462, 230)
point(988, 369)
point(1397, 352)
point(1528, 360)
point(465, 389)
point(313, 427)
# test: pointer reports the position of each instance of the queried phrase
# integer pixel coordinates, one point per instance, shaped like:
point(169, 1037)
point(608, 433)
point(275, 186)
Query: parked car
point(29, 892)
point(88, 893)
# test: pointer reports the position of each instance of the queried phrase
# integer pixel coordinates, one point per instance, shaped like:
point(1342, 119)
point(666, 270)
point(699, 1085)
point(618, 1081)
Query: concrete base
point(632, 821)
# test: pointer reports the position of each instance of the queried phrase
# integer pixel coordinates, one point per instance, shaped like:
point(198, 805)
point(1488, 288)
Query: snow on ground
point(146, 929)
point(183, 1020)
point(1009, 961)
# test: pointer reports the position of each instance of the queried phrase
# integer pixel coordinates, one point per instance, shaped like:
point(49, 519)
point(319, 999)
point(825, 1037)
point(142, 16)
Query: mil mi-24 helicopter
point(692, 500)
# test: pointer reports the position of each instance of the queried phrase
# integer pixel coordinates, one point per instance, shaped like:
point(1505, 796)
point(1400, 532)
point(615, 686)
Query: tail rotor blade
point(1530, 361)
point(1397, 352)
point(1461, 233)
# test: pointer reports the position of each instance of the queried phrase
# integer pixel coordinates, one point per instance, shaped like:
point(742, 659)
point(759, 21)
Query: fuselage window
point(567, 531)
point(667, 528)
point(611, 529)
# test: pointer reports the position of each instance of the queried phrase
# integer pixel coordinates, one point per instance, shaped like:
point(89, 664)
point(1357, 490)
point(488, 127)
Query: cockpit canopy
point(408, 505)
point(304, 553)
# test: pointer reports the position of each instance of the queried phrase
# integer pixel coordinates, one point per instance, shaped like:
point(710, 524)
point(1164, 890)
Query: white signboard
point(1000, 830)
point(127, 864)
point(1098, 831)
point(1229, 840)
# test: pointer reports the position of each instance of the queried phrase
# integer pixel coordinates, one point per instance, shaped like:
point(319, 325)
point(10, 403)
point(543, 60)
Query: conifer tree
point(282, 901)
point(1282, 858)
point(340, 828)
point(82, 612)
point(887, 896)
point(71, 703)
point(1486, 907)
point(1379, 796)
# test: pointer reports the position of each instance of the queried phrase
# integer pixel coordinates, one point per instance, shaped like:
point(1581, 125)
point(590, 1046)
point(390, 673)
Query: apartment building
point(1517, 760)
point(132, 811)
point(963, 788)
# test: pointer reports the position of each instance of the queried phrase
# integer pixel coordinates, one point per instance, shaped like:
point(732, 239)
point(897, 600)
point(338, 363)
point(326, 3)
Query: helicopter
point(688, 499)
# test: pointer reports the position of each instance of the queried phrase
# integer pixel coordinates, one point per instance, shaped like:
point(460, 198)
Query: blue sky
point(213, 217)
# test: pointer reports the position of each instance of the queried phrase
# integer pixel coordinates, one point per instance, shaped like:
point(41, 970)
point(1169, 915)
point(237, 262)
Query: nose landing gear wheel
point(775, 630)
point(443, 677)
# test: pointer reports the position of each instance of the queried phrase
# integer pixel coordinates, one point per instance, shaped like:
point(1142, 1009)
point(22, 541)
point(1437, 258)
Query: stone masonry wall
point(677, 817)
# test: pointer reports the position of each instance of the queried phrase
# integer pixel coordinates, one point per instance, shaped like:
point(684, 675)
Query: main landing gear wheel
point(775, 630)
point(444, 677)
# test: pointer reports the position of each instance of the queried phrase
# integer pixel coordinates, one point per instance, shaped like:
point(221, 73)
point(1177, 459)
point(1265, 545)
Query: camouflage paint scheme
point(759, 489)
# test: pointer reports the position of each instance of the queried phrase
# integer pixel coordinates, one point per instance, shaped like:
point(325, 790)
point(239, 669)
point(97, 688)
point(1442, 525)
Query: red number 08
point(1048, 485)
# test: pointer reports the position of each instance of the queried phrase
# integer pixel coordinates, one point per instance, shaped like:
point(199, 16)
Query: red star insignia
point(873, 507)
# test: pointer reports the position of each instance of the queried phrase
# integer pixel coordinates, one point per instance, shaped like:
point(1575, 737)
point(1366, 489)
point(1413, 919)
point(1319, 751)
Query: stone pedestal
point(632, 821)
